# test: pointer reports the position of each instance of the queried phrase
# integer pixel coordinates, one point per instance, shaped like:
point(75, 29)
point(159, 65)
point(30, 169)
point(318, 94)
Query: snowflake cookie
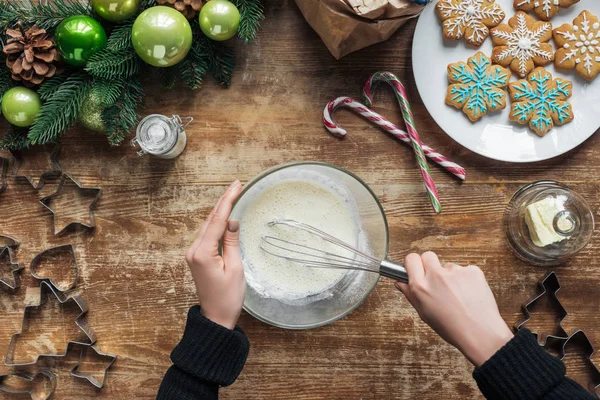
point(522, 44)
point(541, 101)
point(470, 19)
point(477, 86)
point(544, 9)
point(579, 45)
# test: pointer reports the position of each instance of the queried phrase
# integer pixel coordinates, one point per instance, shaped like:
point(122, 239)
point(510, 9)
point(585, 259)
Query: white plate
point(494, 136)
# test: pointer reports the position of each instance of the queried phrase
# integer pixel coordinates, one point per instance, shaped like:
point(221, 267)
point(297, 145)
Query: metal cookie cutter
point(6, 253)
point(38, 258)
point(549, 285)
point(32, 384)
point(3, 171)
point(580, 339)
point(44, 201)
point(56, 170)
point(81, 321)
point(8, 241)
point(90, 378)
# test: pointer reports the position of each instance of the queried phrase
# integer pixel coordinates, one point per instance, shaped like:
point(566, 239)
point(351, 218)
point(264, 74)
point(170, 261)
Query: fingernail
point(233, 226)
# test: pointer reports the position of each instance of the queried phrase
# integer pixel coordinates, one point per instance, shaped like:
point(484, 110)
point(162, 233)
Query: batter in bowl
point(316, 202)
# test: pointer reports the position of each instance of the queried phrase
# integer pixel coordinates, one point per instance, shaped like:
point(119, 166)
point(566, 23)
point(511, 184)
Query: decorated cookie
point(477, 86)
point(470, 19)
point(541, 101)
point(579, 45)
point(544, 9)
point(522, 44)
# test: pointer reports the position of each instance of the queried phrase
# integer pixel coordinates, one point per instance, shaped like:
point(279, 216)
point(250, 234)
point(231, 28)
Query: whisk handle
point(390, 269)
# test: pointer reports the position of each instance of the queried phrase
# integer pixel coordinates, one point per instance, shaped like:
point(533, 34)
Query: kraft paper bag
point(349, 25)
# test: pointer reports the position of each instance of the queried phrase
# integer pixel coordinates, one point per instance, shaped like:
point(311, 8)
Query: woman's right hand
point(458, 304)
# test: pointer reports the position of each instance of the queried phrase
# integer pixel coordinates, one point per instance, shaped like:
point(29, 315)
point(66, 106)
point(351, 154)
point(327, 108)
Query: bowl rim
point(279, 167)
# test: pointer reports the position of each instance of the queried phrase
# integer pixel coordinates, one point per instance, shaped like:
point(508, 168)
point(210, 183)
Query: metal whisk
point(315, 258)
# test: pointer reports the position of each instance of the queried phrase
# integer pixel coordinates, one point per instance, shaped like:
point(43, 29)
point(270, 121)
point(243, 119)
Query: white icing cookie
point(470, 19)
point(544, 9)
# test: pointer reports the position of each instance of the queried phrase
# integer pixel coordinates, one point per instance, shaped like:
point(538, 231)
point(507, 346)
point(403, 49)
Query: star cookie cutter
point(54, 250)
point(89, 377)
point(9, 240)
point(3, 172)
point(549, 285)
point(14, 282)
point(582, 341)
point(30, 387)
point(81, 321)
point(56, 170)
point(44, 201)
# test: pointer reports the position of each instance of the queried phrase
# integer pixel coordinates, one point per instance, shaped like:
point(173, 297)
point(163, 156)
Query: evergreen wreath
point(113, 75)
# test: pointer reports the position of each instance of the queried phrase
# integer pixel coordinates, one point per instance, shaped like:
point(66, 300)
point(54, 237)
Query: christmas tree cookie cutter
point(81, 321)
point(53, 161)
point(580, 339)
point(13, 282)
point(53, 250)
point(46, 200)
point(549, 285)
point(31, 383)
point(3, 173)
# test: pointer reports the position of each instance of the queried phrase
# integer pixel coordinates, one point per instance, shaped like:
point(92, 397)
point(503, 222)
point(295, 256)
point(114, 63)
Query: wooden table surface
point(138, 287)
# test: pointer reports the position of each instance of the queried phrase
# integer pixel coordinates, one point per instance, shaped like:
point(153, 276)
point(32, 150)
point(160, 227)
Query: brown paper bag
point(349, 25)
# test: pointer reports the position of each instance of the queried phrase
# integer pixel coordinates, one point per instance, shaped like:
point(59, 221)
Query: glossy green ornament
point(219, 19)
point(161, 36)
point(21, 106)
point(116, 10)
point(78, 38)
point(90, 114)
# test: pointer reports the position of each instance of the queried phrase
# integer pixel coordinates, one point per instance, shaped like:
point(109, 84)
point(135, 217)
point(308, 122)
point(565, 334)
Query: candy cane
point(372, 116)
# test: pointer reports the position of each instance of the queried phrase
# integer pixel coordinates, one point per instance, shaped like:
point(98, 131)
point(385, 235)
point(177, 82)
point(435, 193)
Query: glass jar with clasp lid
point(161, 136)
point(546, 223)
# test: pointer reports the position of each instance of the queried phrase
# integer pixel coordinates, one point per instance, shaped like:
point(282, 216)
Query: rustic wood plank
point(139, 289)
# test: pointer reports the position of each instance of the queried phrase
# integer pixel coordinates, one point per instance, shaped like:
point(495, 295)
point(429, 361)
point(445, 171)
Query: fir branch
point(45, 14)
point(50, 86)
point(108, 92)
point(120, 37)
point(193, 70)
point(219, 58)
point(14, 139)
point(113, 65)
point(168, 76)
point(6, 80)
point(251, 13)
point(60, 111)
point(121, 118)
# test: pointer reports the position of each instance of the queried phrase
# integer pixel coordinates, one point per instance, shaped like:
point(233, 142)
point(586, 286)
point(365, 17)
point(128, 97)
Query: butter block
point(539, 217)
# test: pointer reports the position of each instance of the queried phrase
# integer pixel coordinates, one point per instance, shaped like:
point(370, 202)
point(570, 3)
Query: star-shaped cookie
point(522, 44)
point(579, 45)
point(470, 19)
point(544, 9)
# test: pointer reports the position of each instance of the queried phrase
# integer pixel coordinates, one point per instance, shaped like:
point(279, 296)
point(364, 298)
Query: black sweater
point(210, 356)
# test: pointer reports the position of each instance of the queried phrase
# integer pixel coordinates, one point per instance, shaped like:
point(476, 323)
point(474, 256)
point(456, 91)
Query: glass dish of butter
point(546, 223)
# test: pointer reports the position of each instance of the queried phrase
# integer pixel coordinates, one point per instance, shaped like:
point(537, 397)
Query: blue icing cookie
point(541, 101)
point(477, 87)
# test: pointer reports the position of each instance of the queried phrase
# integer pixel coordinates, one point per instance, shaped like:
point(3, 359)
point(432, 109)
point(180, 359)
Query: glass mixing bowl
point(349, 292)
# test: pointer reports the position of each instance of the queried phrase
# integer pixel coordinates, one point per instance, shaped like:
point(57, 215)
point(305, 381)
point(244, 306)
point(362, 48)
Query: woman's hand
point(220, 281)
point(458, 304)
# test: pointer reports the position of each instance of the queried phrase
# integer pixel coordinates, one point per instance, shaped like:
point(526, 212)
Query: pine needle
point(6, 80)
point(14, 139)
point(60, 111)
point(50, 86)
point(108, 92)
point(168, 76)
point(251, 13)
point(120, 37)
point(45, 14)
point(121, 118)
point(114, 65)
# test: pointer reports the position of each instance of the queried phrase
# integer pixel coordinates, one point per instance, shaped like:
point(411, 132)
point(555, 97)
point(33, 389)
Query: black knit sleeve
point(522, 370)
point(208, 356)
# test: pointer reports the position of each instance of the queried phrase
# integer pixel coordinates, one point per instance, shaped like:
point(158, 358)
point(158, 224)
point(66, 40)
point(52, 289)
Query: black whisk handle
point(390, 269)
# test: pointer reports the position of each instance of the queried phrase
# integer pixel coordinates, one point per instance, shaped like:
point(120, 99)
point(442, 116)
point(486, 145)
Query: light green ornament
point(116, 10)
point(90, 114)
point(21, 106)
point(219, 19)
point(161, 36)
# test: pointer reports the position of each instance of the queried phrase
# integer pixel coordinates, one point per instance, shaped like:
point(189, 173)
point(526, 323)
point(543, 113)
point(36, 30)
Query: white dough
point(314, 202)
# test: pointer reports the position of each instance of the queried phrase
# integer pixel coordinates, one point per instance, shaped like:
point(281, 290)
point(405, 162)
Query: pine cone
point(189, 8)
point(30, 55)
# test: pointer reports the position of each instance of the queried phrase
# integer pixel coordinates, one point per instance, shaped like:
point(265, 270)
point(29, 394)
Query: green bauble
point(162, 36)
point(90, 115)
point(116, 10)
point(78, 38)
point(219, 19)
point(21, 106)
